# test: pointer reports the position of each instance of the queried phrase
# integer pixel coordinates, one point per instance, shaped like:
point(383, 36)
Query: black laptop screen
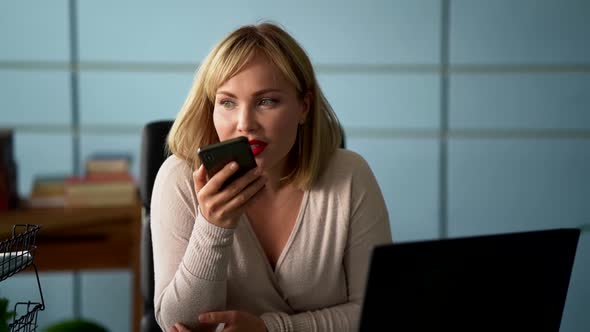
point(502, 282)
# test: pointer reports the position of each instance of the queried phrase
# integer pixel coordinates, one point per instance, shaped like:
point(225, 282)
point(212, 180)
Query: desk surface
point(65, 218)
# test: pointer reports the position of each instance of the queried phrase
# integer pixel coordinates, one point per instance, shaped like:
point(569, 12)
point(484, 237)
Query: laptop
point(501, 282)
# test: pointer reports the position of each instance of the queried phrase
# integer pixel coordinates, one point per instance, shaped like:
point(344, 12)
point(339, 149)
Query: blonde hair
point(317, 138)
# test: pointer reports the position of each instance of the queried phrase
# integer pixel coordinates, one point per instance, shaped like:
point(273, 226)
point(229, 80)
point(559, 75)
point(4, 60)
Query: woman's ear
point(305, 106)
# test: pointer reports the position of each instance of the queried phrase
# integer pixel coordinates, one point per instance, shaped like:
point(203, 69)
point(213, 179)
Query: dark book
point(6, 145)
point(8, 191)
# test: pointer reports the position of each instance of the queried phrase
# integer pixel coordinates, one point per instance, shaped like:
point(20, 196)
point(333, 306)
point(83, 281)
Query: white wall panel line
point(327, 68)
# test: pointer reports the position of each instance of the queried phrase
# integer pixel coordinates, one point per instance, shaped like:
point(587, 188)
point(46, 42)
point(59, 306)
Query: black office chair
point(153, 154)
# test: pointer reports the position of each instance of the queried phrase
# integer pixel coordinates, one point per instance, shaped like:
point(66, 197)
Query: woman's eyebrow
point(227, 93)
point(257, 93)
point(263, 91)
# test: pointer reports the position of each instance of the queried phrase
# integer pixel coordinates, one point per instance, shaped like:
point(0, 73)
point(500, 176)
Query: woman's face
point(259, 103)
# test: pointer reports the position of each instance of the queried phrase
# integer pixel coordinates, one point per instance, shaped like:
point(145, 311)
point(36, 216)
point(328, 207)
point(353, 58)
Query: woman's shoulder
point(347, 157)
point(173, 171)
point(173, 165)
point(344, 164)
point(347, 161)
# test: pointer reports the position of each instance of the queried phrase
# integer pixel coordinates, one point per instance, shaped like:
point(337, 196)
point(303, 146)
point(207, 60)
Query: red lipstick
point(257, 146)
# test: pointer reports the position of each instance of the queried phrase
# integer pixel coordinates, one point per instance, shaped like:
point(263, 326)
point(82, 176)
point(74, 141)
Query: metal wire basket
point(28, 321)
point(17, 254)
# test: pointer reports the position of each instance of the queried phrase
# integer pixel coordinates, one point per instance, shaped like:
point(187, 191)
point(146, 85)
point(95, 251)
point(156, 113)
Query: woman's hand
point(223, 208)
point(235, 321)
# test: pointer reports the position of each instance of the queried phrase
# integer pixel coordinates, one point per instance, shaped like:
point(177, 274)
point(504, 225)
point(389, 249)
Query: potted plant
point(76, 325)
point(5, 315)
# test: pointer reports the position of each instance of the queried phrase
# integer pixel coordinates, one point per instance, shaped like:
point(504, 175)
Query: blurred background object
point(107, 181)
point(8, 173)
point(76, 325)
point(473, 114)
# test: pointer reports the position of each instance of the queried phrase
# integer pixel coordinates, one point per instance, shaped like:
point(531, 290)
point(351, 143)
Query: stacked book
point(108, 182)
point(48, 191)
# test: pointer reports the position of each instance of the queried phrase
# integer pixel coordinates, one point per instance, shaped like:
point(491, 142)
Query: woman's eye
point(268, 102)
point(227, 103)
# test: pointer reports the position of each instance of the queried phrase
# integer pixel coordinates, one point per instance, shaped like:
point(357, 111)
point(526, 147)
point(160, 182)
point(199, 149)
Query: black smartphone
point(215, 156)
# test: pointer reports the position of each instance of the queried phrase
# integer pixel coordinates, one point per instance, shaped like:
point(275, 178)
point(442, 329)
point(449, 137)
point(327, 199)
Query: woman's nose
point(247, 120)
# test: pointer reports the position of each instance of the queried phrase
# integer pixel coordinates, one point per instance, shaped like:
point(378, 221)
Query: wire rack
point(16, 254)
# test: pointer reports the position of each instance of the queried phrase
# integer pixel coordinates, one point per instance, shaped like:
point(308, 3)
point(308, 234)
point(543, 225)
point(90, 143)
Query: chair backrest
point(153, 154)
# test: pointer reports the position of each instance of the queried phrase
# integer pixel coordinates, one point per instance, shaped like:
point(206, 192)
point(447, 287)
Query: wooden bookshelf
point(85, 239)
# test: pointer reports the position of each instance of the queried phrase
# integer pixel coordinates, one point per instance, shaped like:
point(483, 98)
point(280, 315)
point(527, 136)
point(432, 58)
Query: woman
point(286, 246)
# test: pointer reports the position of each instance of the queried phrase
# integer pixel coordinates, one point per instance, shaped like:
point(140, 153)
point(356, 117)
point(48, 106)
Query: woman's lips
point(257, 146)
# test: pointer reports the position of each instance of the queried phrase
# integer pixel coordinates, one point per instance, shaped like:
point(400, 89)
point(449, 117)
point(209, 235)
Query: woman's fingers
point(242, 182)
point(178, 328)
point(245, 195)
point(226, 205)
point(234, 189)
point(207, 190)
point(216, 182)
point(223, 207)
point(200, 178)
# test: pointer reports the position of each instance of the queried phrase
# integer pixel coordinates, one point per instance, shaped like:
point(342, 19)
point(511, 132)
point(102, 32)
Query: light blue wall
point(514, 108)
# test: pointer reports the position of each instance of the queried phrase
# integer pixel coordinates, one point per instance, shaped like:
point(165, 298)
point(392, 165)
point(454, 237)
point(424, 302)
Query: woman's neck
point(276, 187)
point(273, 197)
point(274, 178)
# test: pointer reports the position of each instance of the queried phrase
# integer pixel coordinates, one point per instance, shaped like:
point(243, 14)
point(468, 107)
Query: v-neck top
point(285, 249)
point(319, 279)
